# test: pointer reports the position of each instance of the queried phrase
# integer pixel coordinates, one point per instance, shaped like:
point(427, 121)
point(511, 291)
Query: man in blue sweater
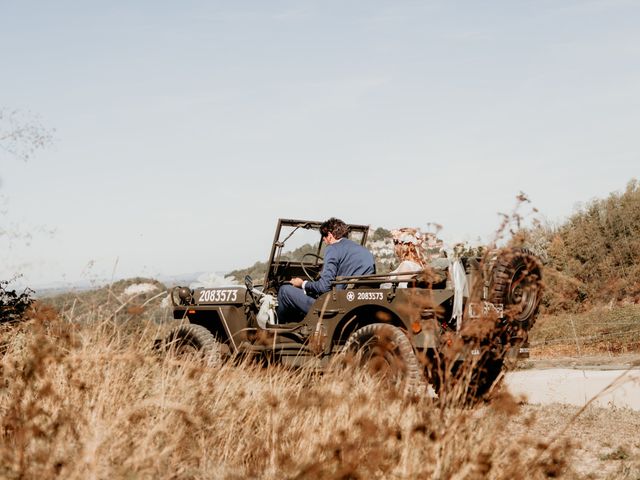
point(342, 258)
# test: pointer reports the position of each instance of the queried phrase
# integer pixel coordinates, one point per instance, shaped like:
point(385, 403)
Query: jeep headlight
point(185, 295)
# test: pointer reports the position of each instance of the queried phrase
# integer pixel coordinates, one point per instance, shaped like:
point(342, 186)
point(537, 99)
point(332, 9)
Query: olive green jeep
point(410, 326)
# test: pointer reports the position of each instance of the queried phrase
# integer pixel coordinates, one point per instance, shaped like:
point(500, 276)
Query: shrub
point(13, 305)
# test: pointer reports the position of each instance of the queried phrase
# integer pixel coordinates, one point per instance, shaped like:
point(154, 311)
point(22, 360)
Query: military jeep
point(409, 327)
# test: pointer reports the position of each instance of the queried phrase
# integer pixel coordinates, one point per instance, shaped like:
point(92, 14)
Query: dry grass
point(87, 397)
point(610, 330)
point(91, 400)
point(603, 441)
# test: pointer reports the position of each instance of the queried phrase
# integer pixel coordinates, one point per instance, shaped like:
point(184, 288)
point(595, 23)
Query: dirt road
point(614, 387)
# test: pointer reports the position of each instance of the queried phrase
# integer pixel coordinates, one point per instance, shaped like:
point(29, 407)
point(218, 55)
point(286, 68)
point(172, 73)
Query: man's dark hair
point(335, 226)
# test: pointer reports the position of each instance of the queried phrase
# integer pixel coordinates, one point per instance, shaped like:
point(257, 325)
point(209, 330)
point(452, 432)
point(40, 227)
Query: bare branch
point(21, 134)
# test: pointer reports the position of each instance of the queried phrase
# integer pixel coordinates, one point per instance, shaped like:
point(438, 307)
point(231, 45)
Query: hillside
point(593, 258)
point(122, 301)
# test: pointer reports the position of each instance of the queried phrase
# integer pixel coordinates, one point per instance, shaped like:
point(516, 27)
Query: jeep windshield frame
point(283, 234)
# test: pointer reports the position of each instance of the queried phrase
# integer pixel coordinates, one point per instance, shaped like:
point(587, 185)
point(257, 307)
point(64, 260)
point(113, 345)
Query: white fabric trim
point(459, 280)
point(267, 311)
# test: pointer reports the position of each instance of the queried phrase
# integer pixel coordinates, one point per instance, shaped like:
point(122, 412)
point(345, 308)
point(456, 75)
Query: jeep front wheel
point(194, 340)
point(385, 351)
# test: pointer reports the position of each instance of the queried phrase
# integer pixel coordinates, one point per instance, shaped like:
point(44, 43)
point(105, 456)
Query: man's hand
point(297, 282)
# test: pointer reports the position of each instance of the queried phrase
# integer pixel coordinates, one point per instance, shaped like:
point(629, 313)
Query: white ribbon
point(459, 280)
point(266, 312)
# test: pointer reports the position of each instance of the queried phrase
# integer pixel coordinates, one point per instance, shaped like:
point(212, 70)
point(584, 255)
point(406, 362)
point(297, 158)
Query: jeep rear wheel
point(194, 340)
point(385, 351)
point(484, 376)
point(467, 382)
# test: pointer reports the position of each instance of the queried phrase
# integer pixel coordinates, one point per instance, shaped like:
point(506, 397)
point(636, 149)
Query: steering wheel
point(306, 264)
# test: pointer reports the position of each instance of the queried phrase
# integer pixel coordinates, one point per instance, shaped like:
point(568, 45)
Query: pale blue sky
point(185, 129)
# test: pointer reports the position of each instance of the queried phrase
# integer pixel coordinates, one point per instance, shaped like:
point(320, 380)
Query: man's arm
point(328, 275)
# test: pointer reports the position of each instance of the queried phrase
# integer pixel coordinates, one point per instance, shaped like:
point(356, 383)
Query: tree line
point(593, 257)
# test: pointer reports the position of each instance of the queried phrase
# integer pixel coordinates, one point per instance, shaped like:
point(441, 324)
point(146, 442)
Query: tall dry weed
point(92, 400)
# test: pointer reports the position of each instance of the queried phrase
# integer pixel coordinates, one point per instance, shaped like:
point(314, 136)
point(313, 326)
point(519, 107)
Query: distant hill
point(122, 301)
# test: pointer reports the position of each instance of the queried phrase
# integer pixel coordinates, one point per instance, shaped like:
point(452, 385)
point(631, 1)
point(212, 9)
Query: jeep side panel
point(338, 313)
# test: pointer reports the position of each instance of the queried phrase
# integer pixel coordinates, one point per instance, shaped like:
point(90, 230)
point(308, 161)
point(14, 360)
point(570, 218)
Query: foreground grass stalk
point(93, 400)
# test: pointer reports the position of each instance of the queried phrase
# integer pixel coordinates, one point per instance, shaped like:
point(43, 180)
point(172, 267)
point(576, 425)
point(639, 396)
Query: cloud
point(291, 15)
point(596, 6)
point(213, 280)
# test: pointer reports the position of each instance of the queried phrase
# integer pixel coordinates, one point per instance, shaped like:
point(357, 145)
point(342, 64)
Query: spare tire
point(516, 283)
